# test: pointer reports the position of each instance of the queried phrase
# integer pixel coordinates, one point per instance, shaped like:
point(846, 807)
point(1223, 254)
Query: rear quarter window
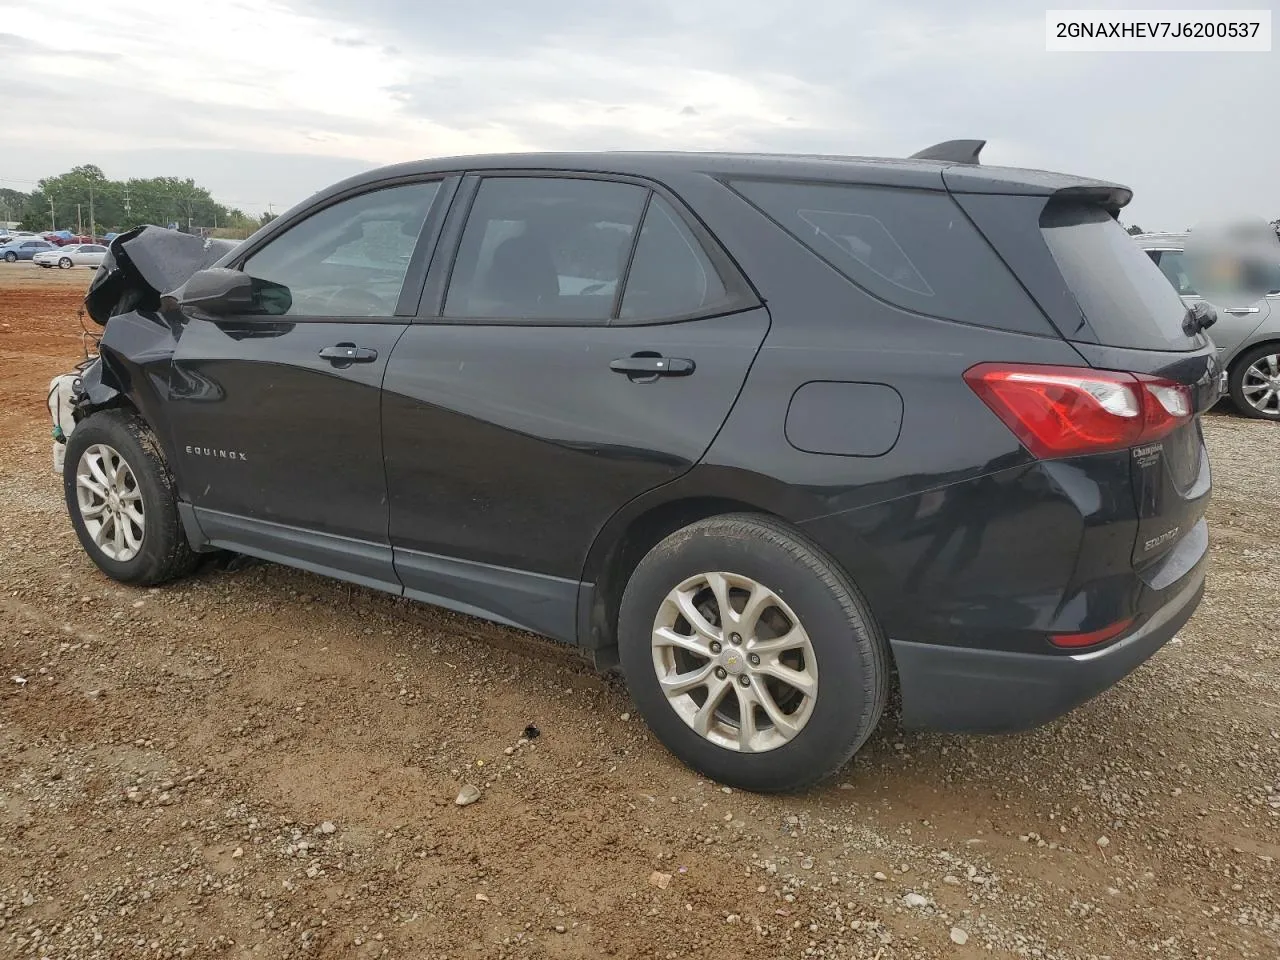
point(912, 248)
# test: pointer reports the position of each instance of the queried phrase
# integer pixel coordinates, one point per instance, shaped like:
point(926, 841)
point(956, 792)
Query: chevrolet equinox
point(769, 432)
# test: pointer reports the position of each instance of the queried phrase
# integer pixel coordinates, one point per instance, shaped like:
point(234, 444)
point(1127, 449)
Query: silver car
point(72, 255)
point(1248, 338)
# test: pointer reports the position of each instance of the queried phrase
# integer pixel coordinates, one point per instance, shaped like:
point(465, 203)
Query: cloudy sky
point(266, 101)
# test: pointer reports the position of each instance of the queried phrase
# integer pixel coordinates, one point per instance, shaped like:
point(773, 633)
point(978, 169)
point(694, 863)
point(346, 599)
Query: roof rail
point(956, 151)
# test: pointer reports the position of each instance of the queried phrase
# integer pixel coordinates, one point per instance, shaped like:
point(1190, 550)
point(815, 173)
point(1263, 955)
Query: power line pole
point(93, 229)
point(79, 222)
point(53, 223)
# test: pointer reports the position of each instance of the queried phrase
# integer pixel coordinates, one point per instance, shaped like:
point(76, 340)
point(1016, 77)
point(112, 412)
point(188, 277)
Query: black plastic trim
point(357, 561)
point(969, 690)
point(529, 601)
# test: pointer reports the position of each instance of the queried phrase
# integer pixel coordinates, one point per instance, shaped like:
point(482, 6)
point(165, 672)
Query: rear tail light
point(1067, 411)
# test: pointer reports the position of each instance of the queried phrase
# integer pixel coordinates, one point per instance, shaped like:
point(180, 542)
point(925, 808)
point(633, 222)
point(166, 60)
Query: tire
point(161, 552)
point(1237, 386)
point(850, 659)
point(64, 263)
point(11, 257)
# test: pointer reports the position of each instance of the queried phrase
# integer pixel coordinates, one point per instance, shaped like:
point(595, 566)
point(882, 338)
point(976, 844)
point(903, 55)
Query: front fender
point(132, 369)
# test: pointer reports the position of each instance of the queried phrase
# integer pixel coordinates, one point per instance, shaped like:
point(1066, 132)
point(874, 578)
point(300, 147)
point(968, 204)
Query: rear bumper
point(967, 690)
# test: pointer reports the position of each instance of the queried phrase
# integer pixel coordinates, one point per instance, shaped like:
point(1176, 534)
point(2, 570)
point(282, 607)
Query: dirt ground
point(259, 762)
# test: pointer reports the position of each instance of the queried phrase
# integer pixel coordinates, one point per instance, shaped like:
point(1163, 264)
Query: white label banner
point(1158, 31)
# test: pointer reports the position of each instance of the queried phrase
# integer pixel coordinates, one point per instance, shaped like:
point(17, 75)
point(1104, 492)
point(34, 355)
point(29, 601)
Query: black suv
point(770, 431)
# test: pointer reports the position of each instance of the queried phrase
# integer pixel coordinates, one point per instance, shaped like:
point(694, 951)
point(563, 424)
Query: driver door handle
point(1240, 310)
point(348, 353)
point(651, 366)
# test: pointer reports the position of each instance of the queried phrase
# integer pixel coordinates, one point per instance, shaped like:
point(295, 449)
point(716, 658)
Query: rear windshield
point(913, 248)
point(1124, 297)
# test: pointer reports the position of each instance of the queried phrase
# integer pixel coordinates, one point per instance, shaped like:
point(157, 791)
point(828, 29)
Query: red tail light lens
point(1067, 411)
point(1093, 637)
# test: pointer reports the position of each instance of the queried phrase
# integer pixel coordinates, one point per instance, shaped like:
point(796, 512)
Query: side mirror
point(218, 291)
point(1200, 316)
point(222, 292)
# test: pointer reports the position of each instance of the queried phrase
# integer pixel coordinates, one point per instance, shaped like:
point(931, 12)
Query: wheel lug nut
point(744, 680)
point(735, 638)
point(715, 646)
point(721, 673)
point(754, 658)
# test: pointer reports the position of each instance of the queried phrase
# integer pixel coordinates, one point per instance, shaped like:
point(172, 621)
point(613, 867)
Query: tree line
point(67, 201)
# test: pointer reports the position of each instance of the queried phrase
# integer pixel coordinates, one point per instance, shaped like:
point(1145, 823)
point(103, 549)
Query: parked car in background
point(770, 431)
point(1247, 337)
point(24, 248)
point(73, 255)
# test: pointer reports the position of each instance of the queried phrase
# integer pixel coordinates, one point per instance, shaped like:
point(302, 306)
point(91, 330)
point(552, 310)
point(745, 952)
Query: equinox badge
point(214, 452)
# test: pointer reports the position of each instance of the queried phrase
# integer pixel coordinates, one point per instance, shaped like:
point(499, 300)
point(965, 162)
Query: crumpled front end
point(144, 263)
point(138, 268)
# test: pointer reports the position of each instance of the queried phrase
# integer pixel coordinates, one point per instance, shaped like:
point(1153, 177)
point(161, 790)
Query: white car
point(72, 255)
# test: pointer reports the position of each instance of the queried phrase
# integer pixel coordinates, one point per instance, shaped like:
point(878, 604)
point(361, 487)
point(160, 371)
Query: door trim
point(528, 601)
point(534, 602)
point(345, 558)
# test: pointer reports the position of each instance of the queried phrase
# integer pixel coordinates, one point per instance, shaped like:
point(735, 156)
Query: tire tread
point(169, 554)
point(817, 562)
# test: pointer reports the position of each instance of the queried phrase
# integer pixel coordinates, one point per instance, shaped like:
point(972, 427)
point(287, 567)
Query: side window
point(671, 274)
point(912, 248)
point(544, 248)
point(348, 260)
point(1171, 264)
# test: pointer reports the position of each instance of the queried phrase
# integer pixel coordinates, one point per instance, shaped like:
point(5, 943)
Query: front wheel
point(11, 257)
point(1254, 382)
point(751, 655)
point(122, 500)
point(65, 263)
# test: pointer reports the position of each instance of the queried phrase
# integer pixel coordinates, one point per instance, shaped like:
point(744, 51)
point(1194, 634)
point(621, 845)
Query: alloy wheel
point(110, 502)
point(734, 662)
point(1261, 385)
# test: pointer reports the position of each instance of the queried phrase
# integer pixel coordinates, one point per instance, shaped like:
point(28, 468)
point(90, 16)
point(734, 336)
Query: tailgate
point(1170, 477)
point(1107, 298)
point(1141, 326)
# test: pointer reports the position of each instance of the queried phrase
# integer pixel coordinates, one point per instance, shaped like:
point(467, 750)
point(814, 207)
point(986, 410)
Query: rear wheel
point(122, 501)
point(1254, 382)
point(10, 256)
point(751, 655)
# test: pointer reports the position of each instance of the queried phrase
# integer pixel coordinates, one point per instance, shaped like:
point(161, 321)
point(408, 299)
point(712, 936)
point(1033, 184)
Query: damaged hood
point(145, 262)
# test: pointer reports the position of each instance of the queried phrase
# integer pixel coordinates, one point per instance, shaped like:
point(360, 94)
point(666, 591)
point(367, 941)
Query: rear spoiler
point(1056, 186)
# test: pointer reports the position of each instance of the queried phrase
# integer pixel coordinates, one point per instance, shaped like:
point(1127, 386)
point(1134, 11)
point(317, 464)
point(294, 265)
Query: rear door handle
point(1240, 310)
point(643, 365)
point(348, 353)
